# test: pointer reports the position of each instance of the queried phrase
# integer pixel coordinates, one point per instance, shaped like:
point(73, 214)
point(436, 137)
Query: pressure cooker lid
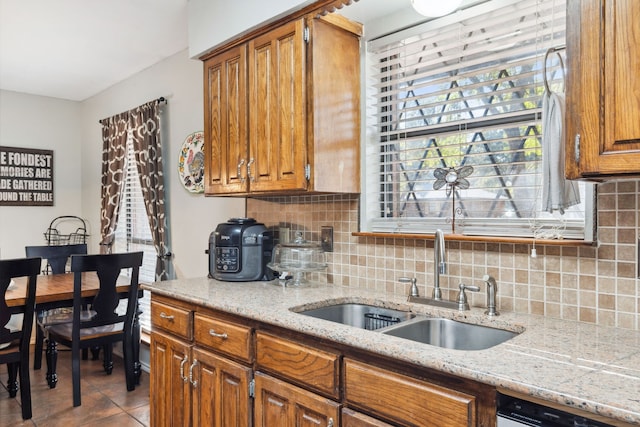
point(241, 221)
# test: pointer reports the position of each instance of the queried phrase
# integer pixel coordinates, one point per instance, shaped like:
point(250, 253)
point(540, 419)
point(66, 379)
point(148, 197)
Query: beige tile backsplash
point(590, 284)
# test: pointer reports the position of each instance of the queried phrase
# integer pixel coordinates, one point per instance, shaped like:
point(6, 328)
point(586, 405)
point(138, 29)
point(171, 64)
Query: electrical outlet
point(326, 238)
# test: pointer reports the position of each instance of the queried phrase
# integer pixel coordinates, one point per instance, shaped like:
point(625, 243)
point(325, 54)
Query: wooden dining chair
point(106, 326)
point(57, 258)
point(14, 338)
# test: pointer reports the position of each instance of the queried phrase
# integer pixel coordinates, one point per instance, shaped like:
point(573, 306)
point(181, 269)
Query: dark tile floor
point(105, 399)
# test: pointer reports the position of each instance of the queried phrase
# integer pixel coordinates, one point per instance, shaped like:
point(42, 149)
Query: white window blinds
point(463, 94)
point(133, 233)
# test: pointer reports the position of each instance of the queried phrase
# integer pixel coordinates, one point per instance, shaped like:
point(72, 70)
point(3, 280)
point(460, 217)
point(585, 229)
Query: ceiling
point(74, 49)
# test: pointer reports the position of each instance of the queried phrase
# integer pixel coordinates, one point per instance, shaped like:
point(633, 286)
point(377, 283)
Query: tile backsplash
point(591, 284)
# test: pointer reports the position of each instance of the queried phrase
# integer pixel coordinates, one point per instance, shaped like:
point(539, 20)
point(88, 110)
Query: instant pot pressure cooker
point(239, 251)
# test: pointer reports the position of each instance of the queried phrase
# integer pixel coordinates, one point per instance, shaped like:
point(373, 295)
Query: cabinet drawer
point(176, 320)
point(406, 400)
point(223, 336)
point(306, 365)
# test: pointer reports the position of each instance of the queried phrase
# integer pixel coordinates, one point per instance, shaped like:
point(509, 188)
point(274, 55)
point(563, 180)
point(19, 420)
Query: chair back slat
point(56, 256)
point(10, 269)
point(108, 268)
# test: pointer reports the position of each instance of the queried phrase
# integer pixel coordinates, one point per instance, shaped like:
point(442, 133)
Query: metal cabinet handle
point(240, 171)
point(223, 335)
point(164, 315)
point(184, 379)
point(193, 365)
point(330, 423)
point(251, 178)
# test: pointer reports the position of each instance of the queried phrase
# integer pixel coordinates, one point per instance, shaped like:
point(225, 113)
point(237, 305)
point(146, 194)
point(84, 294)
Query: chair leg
point(12, 382)
point(37, 354)
point(108, 358)
point(129, 364)
point(75, 377)
point(95, 353)
point(25, 390)
point(52, 362)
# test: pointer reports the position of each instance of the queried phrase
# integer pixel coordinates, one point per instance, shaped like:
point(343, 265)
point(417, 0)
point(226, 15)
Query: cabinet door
point(281, 404)
point(220, 392)
point(356, 419)
point(225, 122)
point(277, 99)
point(603, 88)
point(170, 396)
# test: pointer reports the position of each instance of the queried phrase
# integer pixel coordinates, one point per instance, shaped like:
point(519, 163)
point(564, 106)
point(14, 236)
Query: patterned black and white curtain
point(143, 124)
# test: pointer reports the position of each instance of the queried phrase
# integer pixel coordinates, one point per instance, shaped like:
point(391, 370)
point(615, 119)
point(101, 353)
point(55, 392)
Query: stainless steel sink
point(360, 315)
point(449, 333)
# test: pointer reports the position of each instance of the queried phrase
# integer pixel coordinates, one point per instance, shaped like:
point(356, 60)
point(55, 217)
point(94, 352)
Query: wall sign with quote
point(26, 177)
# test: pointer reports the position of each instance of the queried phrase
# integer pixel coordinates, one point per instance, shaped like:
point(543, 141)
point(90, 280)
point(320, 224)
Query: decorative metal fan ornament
point(452, 177)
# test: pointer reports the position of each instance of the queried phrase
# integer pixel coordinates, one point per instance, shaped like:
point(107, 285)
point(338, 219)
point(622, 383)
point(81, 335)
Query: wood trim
point(480, 239)
point(316, 9)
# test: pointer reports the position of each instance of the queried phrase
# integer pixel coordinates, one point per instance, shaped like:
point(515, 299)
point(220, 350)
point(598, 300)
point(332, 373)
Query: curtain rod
point(160, 100)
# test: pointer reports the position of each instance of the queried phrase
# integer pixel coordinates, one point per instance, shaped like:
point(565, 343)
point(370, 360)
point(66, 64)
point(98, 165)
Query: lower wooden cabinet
point(220, 391)
point(281, 404)
point(229, 371)
point(169, 394)
point(406, 400)
point(352, 418)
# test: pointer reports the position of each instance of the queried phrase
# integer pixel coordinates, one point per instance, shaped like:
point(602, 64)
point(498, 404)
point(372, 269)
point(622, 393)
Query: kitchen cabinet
point(603, 89)
point(226, 121)
point(170, 392)
point(351, 418)
point(282, 111)
point(278, 403)
point(406, 400)
point(294, 361)
point(192, 382)
point(205, 364)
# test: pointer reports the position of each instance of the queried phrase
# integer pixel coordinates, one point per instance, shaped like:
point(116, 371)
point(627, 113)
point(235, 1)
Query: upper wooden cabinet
point(282, 111)
point(603, 89)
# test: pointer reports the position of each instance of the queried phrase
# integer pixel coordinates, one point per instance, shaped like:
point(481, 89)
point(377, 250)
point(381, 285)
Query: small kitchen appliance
point(239, 251)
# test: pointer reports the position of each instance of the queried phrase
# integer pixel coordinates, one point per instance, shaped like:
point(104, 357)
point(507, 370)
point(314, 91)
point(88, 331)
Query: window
point(133, 232)
point(454, 124)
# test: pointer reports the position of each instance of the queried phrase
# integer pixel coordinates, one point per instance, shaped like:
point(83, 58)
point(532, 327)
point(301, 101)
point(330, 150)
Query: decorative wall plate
point(191, 162)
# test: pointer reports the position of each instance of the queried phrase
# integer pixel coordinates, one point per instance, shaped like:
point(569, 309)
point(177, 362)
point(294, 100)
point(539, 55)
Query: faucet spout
point(439, 263)
point(492, 291)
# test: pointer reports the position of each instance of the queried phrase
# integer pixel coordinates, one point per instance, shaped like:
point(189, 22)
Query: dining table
point(56, 291)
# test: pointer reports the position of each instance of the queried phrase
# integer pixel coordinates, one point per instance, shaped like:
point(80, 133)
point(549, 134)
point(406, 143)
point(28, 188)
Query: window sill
point(481, 239)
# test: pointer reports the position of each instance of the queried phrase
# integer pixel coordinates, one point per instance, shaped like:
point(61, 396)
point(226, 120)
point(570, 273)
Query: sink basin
point(451, 334)
point(360, 315)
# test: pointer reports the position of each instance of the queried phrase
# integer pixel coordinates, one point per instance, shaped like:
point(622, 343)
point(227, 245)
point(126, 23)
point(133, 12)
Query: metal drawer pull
point(240, 171)
point(164, 315)
point(330, 423)
point(213, 333)
point(184, 379)
point(311, 419)
point(251, 177)
point(193, 365)
point(275, 402)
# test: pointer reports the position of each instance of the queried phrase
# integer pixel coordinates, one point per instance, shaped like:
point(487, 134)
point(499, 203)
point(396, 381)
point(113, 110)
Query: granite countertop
point(576, 364)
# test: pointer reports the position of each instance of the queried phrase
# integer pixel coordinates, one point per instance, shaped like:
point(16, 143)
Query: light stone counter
point(580, 365)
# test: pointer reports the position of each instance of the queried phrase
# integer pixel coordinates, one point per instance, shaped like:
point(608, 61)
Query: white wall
point(213, 22)
point(192, 216)
point(30, 121)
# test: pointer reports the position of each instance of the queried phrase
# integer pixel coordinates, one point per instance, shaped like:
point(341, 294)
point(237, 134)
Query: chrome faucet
point(439, 263)
point(492, 291)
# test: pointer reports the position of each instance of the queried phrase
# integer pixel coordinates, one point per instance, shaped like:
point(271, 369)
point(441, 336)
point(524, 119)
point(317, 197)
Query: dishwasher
point(514, 412)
